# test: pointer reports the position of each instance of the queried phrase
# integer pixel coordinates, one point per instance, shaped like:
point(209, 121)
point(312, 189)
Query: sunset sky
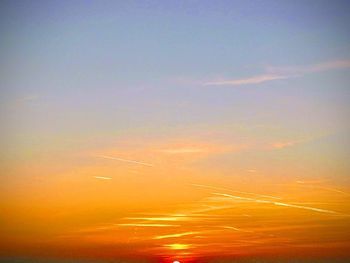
point(164, 131)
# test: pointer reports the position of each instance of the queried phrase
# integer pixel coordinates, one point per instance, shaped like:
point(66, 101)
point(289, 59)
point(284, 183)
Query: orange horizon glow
point(182, 213)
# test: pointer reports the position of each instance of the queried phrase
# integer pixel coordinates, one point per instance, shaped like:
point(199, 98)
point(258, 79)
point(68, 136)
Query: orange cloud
point(281, 145)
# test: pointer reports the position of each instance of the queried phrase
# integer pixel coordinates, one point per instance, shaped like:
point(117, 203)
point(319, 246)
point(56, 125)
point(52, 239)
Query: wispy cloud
point(124, 160)
point(285, 72)
point(147, 225)
point(288, 143)
point(305, 207)
point(103, 177)
point(246, 81)
point(176, 235)
point(281, 145)
point(278, 203)
point(170, 218)
point(236, 229)
point(302, 70)
point(178, 246)
point(307, 184)
point(183, 150)
point(252, 171)
point(234, 191)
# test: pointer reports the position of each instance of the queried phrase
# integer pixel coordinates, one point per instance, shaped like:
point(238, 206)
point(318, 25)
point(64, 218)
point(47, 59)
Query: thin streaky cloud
point(176, 235)
point(125, 160)
point(103, 177)
point(319, 67)
point(238, 197)
point(284, 144)
point(322, 188)
point(183, 150)
point(252, 171)
point(277, 73)
point(278, 203)
point(305, 207)
point(233, 191)
point(147, 225)
point(236, 229)
point(246, 81)
point(182, 218)
point(281, 145)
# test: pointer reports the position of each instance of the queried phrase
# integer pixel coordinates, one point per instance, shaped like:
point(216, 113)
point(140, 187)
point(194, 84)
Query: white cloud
point(246, 81)
point(277, 73)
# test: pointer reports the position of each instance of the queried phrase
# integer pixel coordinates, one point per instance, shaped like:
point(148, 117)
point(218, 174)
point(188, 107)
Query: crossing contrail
point(278, 203)
point(233, 191)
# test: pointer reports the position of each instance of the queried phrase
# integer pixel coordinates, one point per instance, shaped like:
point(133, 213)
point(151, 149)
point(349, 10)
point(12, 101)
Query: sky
point(164, 131)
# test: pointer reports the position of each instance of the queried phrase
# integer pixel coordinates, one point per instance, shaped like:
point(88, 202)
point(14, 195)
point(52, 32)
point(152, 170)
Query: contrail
point(307, 184)
point(124, 160)
point(103, 178)
point(237, 229)
point(237, 197)
point(278, 203)
point(305, 207)
point(233, 191)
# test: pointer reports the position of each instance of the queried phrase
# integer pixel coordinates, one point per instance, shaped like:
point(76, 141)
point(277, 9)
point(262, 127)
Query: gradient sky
point(174, 130)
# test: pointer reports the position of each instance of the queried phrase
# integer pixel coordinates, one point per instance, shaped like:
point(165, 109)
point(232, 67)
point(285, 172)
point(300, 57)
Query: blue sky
point(113, 66)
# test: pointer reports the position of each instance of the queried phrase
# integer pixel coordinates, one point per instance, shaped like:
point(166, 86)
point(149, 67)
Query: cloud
point(281, 145)
point(163, 218)
point(246, 81)
point(176, 235)
point(194, 149)
point(276, 73)
point(183, 150)
point(302, 70)
point(124, 160)
point(103, 177)
point(178, 246)
point(277, 203)
point(147, 225)
point(251, 171)
point(233, 191)
point(311, 185)
point(236, 229)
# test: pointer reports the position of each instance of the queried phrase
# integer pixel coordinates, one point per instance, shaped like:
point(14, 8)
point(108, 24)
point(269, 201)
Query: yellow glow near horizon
point(178, 246)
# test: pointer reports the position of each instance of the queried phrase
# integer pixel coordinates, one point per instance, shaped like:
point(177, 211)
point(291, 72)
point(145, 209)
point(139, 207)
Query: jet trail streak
point(278, 203)
point(233, 191)
point(237, 229)
point(125, 160)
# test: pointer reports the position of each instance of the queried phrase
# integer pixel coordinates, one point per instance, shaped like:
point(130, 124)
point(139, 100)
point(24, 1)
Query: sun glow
point(178, 246)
